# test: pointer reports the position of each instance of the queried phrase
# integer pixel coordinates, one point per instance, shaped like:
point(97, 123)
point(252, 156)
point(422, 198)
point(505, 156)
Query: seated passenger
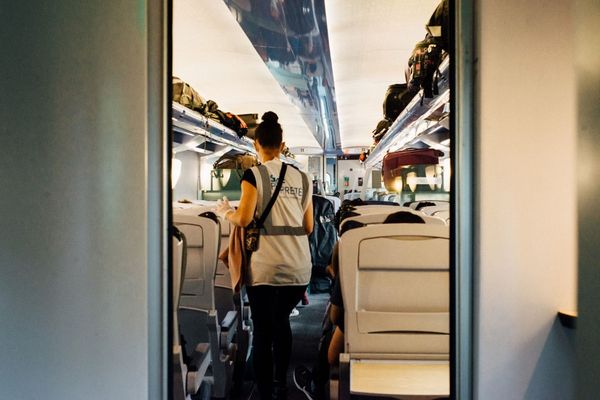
point(311, 382)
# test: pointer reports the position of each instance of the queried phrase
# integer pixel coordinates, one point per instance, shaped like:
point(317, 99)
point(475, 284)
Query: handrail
point(192, 123)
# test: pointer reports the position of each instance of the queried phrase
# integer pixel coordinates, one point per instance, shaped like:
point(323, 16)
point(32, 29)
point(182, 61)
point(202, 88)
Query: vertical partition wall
point(81, 210)
point(525, 199)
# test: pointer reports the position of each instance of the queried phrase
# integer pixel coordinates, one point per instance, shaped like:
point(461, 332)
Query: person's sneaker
point(294, 312)
point(303, 381)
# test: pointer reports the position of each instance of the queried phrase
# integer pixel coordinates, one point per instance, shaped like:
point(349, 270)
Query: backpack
point(423, 66)
point(185, 95)
point(396, 99)
point(233, 122)
point(235, 160)
point(439, 25)
point(381, 129)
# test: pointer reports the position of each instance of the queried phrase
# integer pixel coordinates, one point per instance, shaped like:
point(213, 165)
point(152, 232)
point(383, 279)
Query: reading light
point(447, 172)
point(411, 181)
point(175, 171)
point(430, 174)
point(398, 184)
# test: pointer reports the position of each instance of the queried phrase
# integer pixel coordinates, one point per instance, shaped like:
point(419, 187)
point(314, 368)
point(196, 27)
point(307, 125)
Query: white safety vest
point(283, 255)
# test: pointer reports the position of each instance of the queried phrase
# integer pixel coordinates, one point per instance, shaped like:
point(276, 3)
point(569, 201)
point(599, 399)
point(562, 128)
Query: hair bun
point(270, 116)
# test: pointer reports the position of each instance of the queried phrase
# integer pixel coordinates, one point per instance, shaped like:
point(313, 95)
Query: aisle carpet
point(306, 330)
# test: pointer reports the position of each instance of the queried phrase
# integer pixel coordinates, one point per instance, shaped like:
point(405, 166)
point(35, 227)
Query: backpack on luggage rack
point(185, 95)
point(396, 99)
point(423, 66)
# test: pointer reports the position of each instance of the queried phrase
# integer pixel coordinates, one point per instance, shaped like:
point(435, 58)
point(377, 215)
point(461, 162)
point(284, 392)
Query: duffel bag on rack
point(380, 130)
point(393, 163)
point(233, 122)
point(235, 160)
point(185, 95)
point(396, 99)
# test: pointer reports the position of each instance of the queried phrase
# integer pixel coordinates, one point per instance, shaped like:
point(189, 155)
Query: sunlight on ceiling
point(370, 43)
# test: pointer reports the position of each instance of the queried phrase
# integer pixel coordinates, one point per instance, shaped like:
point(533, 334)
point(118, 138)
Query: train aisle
point(306, 328)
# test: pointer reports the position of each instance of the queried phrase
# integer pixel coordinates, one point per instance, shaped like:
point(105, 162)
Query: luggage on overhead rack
point(227, 174)
point(381, 129)
point(185, 95)
point(396, 99)
point(233, 122)
point(251, 121)
point(235, 160)
point(423, 66)
point(394, 165)
point(439, 25)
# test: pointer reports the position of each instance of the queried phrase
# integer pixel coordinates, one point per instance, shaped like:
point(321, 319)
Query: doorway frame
point(463, 213)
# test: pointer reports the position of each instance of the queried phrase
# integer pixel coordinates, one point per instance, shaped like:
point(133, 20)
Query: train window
point(366, 95)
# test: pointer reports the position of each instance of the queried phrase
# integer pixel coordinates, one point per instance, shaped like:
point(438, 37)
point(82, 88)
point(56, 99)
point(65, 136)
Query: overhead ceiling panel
point(370, 43)
point(212, 53)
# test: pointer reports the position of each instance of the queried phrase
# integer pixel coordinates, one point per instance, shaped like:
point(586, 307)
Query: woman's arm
point(308, 221)
point(245, 211)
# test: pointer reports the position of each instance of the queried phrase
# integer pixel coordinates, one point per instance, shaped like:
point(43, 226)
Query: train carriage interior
point(438, 170)
point(362, 91)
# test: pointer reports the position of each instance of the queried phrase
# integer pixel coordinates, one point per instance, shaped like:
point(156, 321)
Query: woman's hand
point(224, 208)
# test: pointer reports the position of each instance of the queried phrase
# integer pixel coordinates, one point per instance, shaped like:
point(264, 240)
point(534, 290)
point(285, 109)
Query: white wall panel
point(187, 186)
point(526, 198)
point(73, 171)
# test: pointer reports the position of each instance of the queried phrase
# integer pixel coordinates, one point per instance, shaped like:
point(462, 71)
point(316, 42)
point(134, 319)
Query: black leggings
point(271, 307)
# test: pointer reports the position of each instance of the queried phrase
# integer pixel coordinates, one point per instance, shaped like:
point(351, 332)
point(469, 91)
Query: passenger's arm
point(336, 315)
point(245, 211)
point(336, 347)
point(308, 219)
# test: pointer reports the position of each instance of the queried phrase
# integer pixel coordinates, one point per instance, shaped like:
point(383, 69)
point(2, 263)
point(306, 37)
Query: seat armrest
point(228, 328)
point(344, 377)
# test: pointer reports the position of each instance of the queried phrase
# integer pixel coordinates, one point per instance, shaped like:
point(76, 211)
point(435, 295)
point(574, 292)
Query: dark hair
point(269, 133)
point(403, 217)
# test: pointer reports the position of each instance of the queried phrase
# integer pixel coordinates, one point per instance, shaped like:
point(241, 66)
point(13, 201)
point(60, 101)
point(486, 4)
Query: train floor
point(306, 330)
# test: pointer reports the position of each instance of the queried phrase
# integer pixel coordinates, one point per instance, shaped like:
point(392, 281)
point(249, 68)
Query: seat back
point(178, 249)
point(395, 285)
point(203, 241)
point(374, 216)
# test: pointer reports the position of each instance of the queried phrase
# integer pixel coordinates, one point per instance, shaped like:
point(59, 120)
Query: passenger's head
point(403, 217)
point(268, 133)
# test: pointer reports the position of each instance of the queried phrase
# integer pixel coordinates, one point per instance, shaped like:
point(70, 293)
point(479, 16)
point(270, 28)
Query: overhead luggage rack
point(412, 121)
point(202, 129)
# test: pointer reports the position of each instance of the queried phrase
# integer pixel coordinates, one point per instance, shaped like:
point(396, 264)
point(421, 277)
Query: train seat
point(187, 378)
point(204, 315)
point(374, 216)
point(395, 285)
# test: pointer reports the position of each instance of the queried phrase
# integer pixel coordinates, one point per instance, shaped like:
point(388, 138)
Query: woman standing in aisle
point(280, 268)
